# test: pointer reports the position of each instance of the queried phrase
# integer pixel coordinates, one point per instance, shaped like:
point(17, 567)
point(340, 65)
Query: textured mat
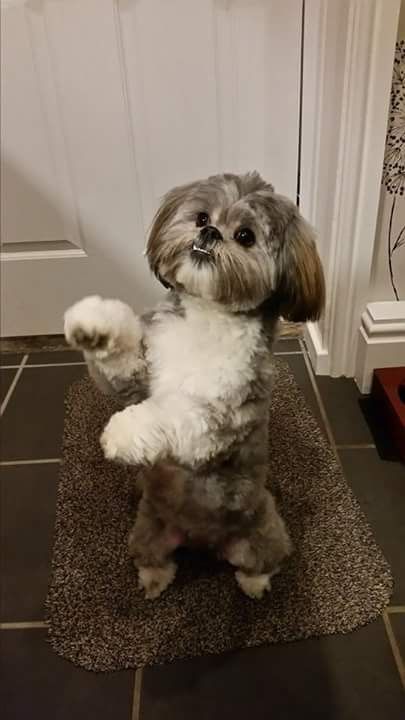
point(336, 581)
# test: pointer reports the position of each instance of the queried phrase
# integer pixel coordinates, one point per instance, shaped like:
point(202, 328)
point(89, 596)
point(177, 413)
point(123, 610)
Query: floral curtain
point(394, 163)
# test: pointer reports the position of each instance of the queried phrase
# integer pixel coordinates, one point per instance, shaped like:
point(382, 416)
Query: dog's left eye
point(202, 219)
point(245, 237)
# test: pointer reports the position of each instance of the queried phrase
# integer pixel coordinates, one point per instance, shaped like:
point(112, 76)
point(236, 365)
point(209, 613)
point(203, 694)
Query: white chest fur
point(207, 354)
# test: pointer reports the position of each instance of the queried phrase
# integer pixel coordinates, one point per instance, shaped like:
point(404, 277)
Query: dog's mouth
point(201, 254)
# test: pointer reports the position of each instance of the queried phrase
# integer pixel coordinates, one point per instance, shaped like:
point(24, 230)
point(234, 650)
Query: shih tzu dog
point(194, 375)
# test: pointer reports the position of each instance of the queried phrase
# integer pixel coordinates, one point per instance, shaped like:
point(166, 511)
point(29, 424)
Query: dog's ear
point(170, 204)
point(300, 281)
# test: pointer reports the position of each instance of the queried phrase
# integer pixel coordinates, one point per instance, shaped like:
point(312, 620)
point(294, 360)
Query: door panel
point(109, 103)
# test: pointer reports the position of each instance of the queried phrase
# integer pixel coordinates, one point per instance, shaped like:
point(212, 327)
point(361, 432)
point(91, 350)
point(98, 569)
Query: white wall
point(381, 287)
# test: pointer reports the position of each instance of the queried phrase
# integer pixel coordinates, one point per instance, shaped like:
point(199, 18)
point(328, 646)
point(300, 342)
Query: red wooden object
point(385, 391)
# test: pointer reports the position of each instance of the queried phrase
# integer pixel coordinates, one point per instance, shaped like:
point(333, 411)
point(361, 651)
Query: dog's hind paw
point(254, 586)
point(154, 580)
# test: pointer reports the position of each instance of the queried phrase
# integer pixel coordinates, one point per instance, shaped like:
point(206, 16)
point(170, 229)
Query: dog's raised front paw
point(101, 327)
point(154, 580)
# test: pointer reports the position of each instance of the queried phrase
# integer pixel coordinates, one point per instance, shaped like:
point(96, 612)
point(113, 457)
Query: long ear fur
point(301, 285)
point(168, 208)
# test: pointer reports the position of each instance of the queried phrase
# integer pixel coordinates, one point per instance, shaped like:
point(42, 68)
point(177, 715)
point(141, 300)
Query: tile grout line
point(62, 364)
point(136, 700)
point(394, 648)
point(395, 609)
point(358, 446)
point(319, 400)
point(44, 365)
point(39, 461)
point(24, 625)
point(13, 384)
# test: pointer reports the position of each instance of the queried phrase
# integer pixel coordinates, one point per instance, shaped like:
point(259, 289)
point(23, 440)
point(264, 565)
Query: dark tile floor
point(350, 677)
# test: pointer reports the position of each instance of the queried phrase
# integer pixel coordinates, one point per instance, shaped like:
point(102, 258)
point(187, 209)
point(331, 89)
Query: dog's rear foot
point(254, 586)
point(154, 580)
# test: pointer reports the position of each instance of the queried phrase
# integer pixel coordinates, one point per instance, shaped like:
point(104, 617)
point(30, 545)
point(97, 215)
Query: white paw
point(101, 327)
point(254, 586)
point(119, 439)
point(239, 553)
point(155, 580)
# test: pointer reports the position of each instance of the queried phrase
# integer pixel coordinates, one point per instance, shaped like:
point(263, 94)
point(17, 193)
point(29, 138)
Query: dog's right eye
point(245, 236)
point(202, 219)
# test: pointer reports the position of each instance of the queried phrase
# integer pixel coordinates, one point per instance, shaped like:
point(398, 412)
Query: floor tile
point(37, 684)
point(343, 677)
point(27, 514)
point(59, 356)
point(33, 421)
point(341, 399)
point(10, 358)
point(397, 621)
point(300, 372)
point(287, 345)
point(6, 378)
point(380, 488)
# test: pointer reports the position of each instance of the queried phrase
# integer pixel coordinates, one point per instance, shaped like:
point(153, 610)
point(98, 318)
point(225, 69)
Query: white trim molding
point(68, 253)
point(348, 59)
point(317, 352)
point(381, 341)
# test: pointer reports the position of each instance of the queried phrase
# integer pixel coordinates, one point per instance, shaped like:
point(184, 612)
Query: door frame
point(347, 72)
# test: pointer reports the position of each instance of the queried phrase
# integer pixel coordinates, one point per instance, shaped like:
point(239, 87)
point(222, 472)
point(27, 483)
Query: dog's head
point(233, 240)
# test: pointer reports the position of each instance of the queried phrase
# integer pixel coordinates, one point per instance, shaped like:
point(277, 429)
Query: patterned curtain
point(394, 160)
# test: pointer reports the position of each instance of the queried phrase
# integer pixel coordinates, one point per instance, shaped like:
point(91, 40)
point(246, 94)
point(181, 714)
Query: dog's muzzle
point(205, 243)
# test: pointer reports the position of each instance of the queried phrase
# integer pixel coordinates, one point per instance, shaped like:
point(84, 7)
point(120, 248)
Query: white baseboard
point(317, 353)
point(381, 341)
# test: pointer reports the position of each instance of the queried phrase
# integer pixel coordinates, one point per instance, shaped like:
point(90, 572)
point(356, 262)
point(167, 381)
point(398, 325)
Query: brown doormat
point(336, 580)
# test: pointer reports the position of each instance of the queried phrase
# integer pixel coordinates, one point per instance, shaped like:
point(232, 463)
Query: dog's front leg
point(138, 435)
point(170, 425)
point(111, 337)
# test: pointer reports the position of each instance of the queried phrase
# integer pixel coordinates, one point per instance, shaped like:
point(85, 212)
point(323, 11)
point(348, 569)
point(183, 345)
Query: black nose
point(210, 234)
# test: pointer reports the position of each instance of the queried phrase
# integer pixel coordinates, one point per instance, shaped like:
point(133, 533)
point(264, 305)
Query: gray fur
point(172, 306)
point(221, 501)
point(218, 498)
point(127, 391)
point(283, 265)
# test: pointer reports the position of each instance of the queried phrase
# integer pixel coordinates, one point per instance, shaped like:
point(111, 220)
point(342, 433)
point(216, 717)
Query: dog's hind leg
point(151, 545)
point(259, 550)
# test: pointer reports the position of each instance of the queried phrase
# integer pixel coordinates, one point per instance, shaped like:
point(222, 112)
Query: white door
point(106, 104)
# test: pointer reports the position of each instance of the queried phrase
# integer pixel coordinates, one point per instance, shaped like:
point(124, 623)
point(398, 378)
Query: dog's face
point(233, 240)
